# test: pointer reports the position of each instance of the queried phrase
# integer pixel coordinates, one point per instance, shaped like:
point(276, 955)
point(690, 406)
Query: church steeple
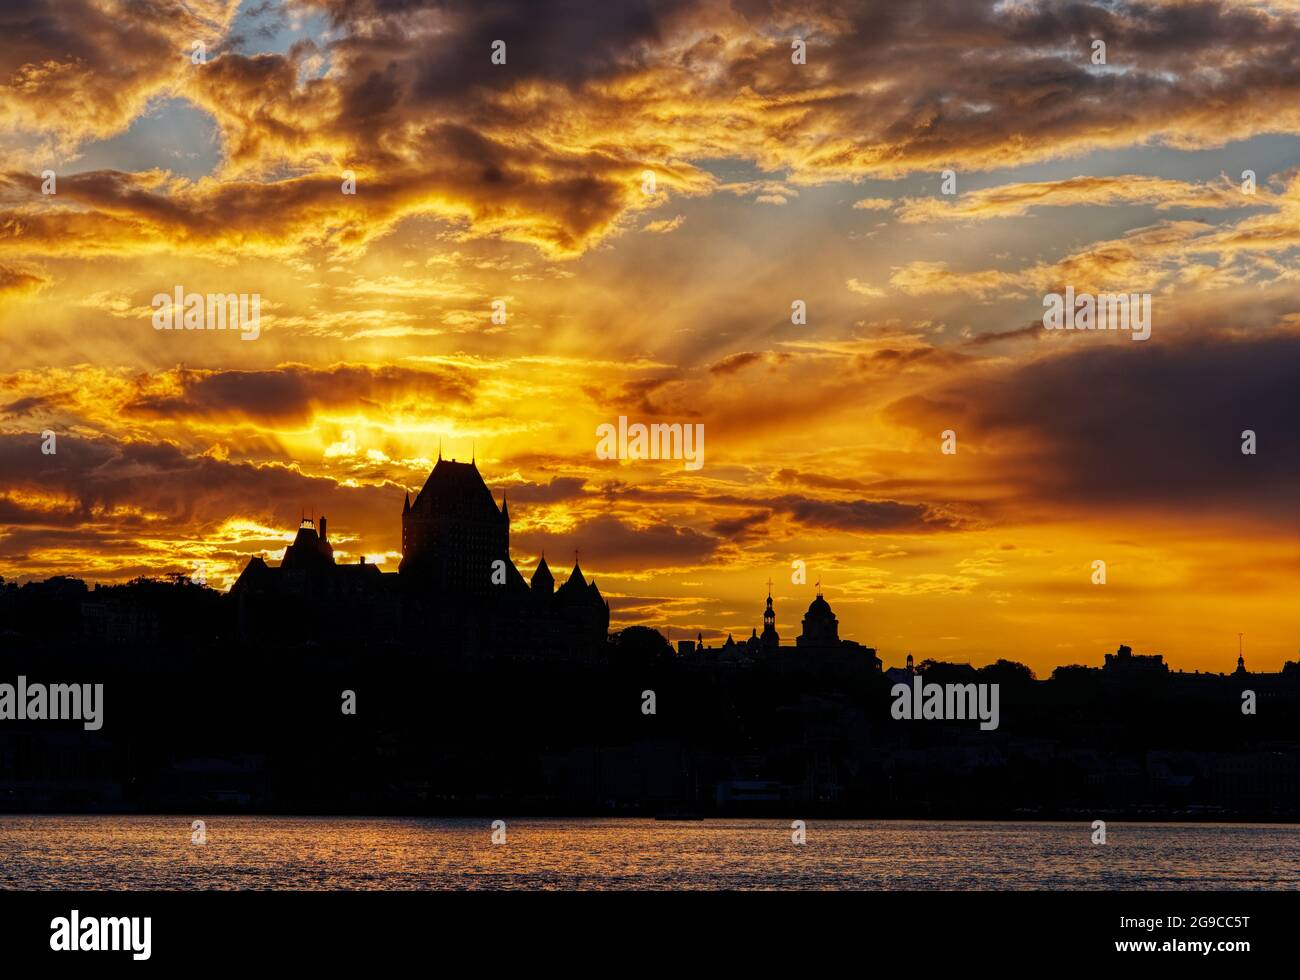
point(771, 639)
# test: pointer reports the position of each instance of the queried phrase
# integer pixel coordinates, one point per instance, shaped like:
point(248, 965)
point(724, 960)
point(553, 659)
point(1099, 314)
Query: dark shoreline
point(508, 813)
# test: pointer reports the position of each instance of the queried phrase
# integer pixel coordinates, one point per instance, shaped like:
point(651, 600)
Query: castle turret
point(543, 582)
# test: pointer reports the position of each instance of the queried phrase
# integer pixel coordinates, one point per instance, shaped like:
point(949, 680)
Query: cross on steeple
point(769, 587)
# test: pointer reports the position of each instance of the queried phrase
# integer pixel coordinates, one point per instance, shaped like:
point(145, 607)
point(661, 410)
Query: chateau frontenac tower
point(456, 584)
point(453, 532)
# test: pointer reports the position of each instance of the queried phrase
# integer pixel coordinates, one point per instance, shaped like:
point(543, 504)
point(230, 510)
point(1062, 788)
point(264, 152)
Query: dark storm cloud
point(294, 393)
point(94, 475)
point(817, 480)
point(558, 489)
point(607, 542)
point(572, 41)
point(744, 526)
point(21, 407)
point(865, 516)
point(1139, 425)
point(860, 516)
point(103, 496)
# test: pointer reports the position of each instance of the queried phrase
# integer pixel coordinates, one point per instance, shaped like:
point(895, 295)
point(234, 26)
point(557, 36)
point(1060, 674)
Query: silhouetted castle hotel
point(457, 587)
point(456, 584)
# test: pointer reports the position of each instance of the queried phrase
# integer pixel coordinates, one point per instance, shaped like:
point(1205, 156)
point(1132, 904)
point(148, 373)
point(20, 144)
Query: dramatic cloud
point(1018, 199)
point(73, 70)
point(550, 147)
point(293, 393)
point(17, 281)
point(1145, 428)
point(607, 542)
point(616, 221)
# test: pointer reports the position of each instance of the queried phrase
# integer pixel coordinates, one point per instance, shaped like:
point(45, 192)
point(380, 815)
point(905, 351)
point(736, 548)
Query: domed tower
point(820, 627)
point(771, 638)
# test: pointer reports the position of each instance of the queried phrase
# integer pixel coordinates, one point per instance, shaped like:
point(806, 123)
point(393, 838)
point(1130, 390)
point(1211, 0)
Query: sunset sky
point(774, 182)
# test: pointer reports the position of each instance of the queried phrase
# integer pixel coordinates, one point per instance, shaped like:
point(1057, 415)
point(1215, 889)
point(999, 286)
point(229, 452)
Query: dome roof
point(819, 608)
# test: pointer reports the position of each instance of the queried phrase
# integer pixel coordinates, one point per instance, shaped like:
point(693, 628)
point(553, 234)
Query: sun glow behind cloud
point(773, 182)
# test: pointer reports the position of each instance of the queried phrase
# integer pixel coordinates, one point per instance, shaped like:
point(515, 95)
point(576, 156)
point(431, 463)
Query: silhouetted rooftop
point(456, 488)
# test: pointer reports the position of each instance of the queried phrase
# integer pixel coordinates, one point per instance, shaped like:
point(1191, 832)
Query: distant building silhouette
point(1126, 661)
point(453, 532)
point(820, 627)
point(771, 638)
point(820, 640)
point(456, 581)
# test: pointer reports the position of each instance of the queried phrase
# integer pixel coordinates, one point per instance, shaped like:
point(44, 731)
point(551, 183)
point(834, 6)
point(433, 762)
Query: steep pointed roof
point(308, 550)
point(456, 488)
point(542, 575)
point(575, 580)
point(514, 578)
point(256, 574)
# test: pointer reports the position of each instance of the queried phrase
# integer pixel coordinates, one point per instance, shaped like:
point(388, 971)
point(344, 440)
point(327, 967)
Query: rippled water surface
point(94, 852)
